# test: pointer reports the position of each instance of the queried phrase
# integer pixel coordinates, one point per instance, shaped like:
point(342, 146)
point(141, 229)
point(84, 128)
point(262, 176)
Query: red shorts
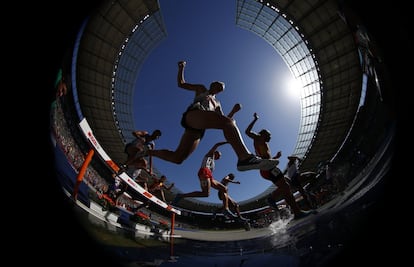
point(205, 173)
point(265, 174)
point(273, 175)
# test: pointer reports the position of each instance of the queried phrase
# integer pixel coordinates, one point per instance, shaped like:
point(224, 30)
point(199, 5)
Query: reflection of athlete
point(261, 145)
point(205, 175)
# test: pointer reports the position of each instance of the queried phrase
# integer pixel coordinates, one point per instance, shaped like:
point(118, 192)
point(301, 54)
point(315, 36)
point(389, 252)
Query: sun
point(293, 87)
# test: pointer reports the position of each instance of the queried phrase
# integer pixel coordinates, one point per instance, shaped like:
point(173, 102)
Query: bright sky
point(204, 34)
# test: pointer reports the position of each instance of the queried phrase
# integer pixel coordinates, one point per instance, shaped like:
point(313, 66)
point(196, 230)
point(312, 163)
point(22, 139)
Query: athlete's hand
point(278, 155)
point(181, 64)
point(237, 107)
point(234, 110)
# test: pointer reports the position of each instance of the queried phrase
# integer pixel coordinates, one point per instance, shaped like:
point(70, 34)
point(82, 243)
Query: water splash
point(281, 237)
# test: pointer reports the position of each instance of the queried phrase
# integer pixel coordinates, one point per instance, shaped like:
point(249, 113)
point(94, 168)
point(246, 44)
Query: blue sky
point(204, 34)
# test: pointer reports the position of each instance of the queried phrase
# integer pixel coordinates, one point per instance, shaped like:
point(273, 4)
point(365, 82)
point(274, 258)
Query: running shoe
point(254, 162)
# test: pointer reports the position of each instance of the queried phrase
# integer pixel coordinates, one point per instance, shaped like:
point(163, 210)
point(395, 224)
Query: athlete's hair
point(264, 131)
point(217, 83)
point(157, 132)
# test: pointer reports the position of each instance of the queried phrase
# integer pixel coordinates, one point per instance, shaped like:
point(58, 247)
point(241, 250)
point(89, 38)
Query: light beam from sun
point(293, 87)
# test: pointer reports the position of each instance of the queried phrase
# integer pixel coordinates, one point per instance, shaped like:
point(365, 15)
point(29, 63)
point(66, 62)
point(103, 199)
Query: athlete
point(295, 176)
point(233, 205)
point(137, 149)
point(274, 174)
point(158, 185)
point(206, 113)
point(205, 175)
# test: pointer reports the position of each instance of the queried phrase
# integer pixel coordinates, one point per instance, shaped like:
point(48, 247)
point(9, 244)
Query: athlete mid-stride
point(275, 175)
point(205, 175)
point(206, 113)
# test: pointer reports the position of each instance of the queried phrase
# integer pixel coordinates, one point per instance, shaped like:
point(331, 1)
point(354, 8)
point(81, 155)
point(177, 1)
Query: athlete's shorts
point(273, 175)
point(205, 174)
point(184, 124)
